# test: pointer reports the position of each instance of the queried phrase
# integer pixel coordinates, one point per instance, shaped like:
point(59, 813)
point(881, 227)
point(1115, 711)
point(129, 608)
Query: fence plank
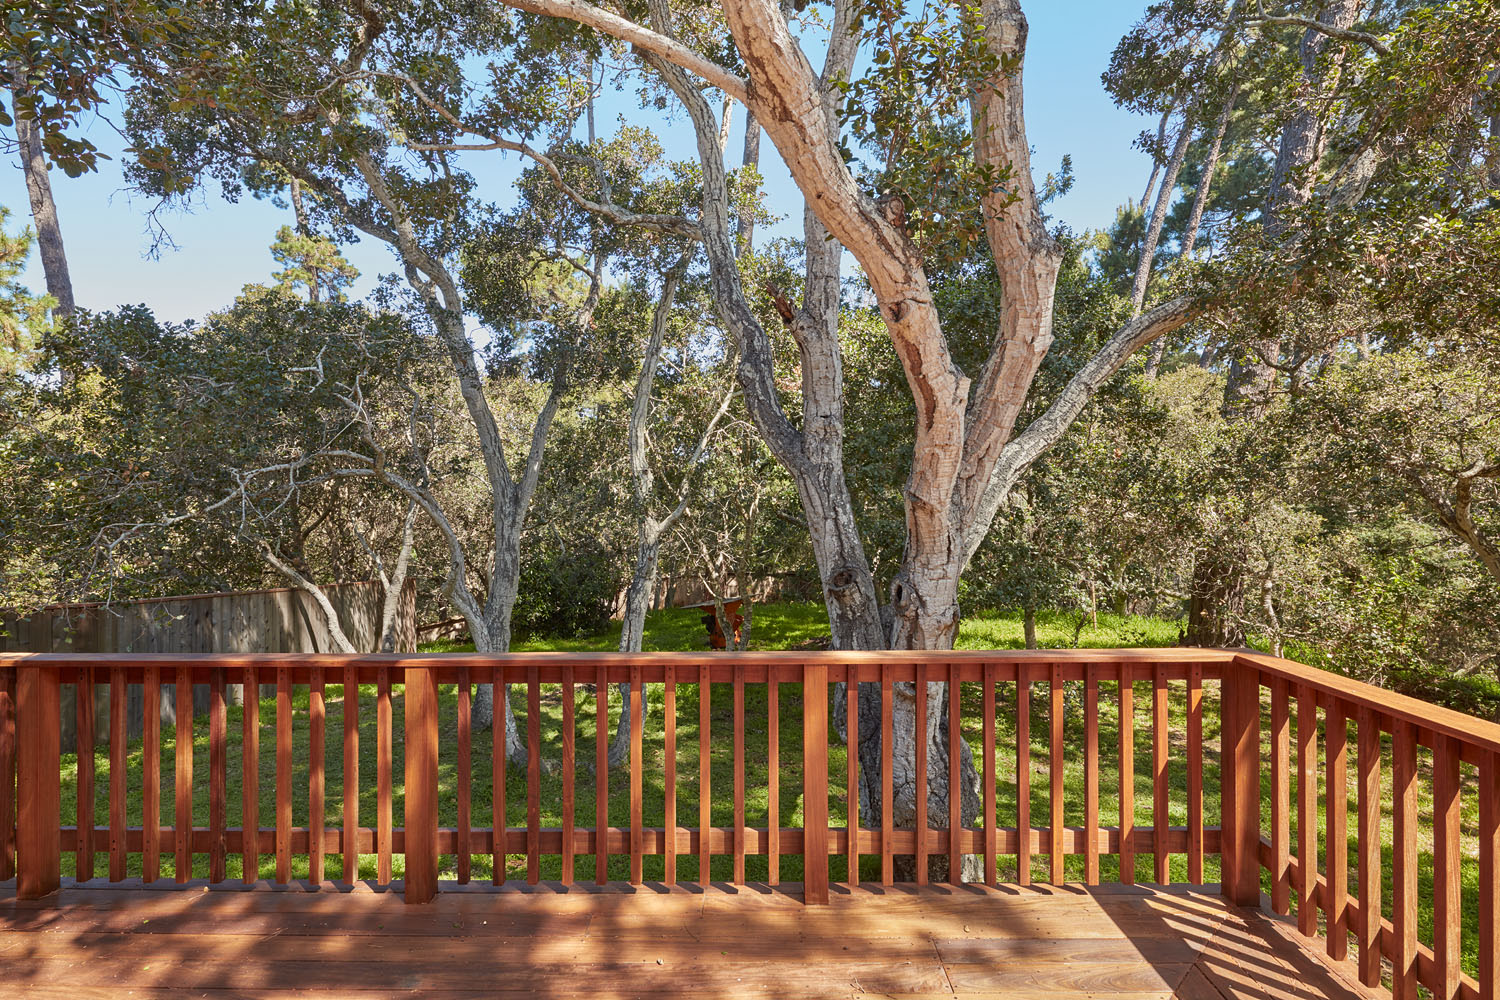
point(669, 786)
point(118, 791)
point(815, 783)
point(8, 774)
point(1336, 825)
point(1023, 774)
point(499, 755)
point(851, 776)
point(991, 834)
point(920, 737)
point(464, 724)
point(773, 781)
point(705, 815)
point(151, 776)
point(1091, 775)
point(601, 777)
point(739, 772)
point(182, 831)
point(1281, 799)
point(283, 775)
point(317, 717)
point(533, 775)
point(1161, 817)
point(218, 765)
point(383, 775)
point(1055, 718)
point(83, 864)
point(1489, 876)
point(1307, 811)
point(637, 760)
point(569, 773)
point(955, 799)
point(349, 835)
point(1195, 773)
point(1369, 849)
point(1404, 866)
point(1447, 901)
point(887, 778)
point(1127, 774)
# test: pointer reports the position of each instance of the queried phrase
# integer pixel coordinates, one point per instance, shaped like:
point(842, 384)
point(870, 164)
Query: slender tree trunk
point(49, 238)
point(1028, 624)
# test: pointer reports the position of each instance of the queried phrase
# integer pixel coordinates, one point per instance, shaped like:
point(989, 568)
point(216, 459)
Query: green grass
point(776, 626)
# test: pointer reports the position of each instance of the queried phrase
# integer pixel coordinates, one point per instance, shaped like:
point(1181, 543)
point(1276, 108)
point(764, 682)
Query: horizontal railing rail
point(1157, 765)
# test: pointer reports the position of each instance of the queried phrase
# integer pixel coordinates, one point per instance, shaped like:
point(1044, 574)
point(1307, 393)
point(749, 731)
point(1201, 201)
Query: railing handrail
point(1426, 717)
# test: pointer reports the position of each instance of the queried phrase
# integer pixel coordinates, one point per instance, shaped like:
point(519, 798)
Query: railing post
point(815, 783)
point(1240, 783)
point(421, 785)
point(39, 785)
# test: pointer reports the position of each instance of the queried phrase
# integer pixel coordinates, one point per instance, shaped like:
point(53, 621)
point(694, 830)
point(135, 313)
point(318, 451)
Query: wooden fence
point(282, 620)
point(1246, 773)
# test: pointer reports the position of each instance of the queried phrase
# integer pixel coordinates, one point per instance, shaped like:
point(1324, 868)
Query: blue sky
point(221, 247)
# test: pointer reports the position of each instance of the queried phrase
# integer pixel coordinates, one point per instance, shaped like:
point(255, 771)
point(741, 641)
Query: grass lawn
point(776, 626)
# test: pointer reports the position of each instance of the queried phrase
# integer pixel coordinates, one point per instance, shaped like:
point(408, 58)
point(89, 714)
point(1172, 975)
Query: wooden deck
point(1110, 943)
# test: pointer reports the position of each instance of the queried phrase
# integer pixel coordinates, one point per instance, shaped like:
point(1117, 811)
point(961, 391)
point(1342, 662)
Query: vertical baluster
point(1091, 774)
point(465, 724)
point(637, 765)
point(1127, 774)
point(705, 791)
point(601, 775)
point(1447, 901)
point(349, 835)
point(851, 778)
point(669, 748)
point(117, 775)
point(283, 774)
point(151, 776)
point(83, 864)
point(182, 829)
point(1307, 810)
point(991, 834)
point(1369, 849)
point(499, 756)
point(249, 776)
point(815, 783)
point(569, 770)
point(1489, 876)
point(8, 777)
point(773, 777)
point(955, 800)
point(1023, 773)
point(383, 775)
point(533, 774)
point(887, 778)
point(1281, 799)
point(1195, 773)
point(920, 736)
point(38, 782)
point(218, 765)
point(317, 717)
point(1404, 873)
point(1056, 832)
point(1161, 811)
point(1336, 820)
point(739, 772)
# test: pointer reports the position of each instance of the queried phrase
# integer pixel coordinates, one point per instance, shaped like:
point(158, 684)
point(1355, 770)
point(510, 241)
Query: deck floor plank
point(1069, 942)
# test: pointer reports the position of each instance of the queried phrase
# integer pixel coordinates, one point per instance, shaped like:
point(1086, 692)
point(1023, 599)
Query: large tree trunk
point(49, 238)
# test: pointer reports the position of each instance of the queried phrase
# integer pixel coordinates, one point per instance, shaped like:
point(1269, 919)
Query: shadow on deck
point(1108, 942)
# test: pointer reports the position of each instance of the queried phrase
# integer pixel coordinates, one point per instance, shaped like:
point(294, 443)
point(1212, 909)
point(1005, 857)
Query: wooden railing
point(1218, 753)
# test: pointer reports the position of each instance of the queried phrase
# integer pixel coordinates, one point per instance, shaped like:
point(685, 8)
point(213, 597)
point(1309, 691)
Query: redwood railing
point(1243, 775)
